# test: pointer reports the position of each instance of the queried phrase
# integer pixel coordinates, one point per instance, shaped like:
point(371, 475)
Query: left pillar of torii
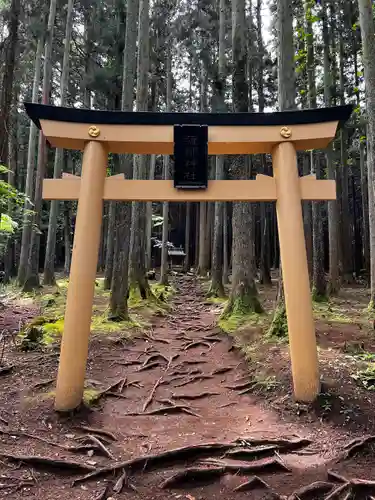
point(97, 133)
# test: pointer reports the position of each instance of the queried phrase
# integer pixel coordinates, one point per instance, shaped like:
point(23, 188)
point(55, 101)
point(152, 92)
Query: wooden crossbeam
point(263, 188)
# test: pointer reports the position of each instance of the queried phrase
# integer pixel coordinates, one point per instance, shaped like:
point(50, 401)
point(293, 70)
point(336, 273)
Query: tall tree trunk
point(225, 245)
point(243, 297)
point(138, 281)
point(32, 275)
point(8, 78)
point(318, 281)
point(187, 261)
point(149, 217)
point(217, 288)
point(287, 91)
point(120, 281)
point(333, 219)
point(33, 133)
point(368, 48)
point(365, 211)
point(164, 242)
point(49, 262)
point(109, 257)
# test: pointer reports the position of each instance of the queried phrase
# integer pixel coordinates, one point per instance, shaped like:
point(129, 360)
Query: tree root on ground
point(219, 468)
point(163, 459)
point(122, 482)
point(317, 488)
point(221, 371)
point(356, 446)
point(103, 494)
point(99, 432)
point(150, 366)
point(253, 483)
point(196, 344)
point(49, 463)
point(151, 395)
point(198, 378)
point(101, 446)
point(235, 467)
point(192, 397)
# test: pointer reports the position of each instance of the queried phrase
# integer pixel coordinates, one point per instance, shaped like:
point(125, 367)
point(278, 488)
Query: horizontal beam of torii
point(263, 188)
point(98, 133)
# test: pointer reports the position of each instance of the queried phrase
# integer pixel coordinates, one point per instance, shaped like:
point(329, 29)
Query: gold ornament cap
point(285, 132)
point(94, 131)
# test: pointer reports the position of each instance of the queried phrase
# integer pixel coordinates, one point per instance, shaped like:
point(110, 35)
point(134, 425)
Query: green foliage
point(241, 311)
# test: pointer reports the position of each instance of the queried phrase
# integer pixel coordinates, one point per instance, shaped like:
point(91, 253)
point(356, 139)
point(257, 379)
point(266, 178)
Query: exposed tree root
point(252, 484)
point(99, 432)
point(4, 370)
point(250, 454)
point(221, 371)
point(241, 386)
point(101, 446)
point(219, 468)
point(170, 361)
point(71, 449)
point(151, 395)
point(356, 446)
point(198, 378)
point(49, 463)
point(149, 366)
point(43, 383)
point(317, 488)
point(193, 475)
point(283, 445)
point(103, 494)
point(234, 467)
point(336, 493)
point(123, 481)
point(192, 397)
point(161, 460)
point(126, 363)
point(334, 476)
point(196, 344)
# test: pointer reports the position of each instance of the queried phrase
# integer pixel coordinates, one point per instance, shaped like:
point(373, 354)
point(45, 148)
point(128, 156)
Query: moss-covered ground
point(48, 327)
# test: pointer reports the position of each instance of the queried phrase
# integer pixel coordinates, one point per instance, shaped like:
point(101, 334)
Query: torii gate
point(99, 132)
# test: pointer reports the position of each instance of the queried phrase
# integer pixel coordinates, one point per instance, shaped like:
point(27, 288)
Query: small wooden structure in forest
point(176, 256)
point(197, 135)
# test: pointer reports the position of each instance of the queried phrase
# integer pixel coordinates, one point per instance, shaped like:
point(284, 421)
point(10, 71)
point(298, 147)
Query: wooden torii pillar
point(97, 133)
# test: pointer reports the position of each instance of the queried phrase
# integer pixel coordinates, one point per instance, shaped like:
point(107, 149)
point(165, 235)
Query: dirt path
point(177, 393)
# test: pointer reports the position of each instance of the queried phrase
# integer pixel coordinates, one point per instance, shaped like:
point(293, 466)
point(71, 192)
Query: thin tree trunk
point(187, 260)
point(49, 262)
point(149, 217)
point(217, 287)
point(365, 211)
point(138, 281)
point(32, 275)
point(368, 48)
point(225, 245)
point(33, 133)
point(243, 297)
point(109, 258)
point(120, 281)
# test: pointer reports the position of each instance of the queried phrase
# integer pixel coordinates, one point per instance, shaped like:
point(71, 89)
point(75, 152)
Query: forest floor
point(177, 409)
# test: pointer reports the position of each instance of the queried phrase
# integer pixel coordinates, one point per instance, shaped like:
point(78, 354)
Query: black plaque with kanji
point(190, 156)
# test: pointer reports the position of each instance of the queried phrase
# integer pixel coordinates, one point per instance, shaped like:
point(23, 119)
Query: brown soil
point(219, 415)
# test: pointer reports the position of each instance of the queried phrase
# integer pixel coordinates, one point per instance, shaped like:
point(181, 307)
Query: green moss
point(101, 324)
point(90, 396)
point(217, 300)
point(41, 332)
point(162, 292)
point(328, 311)
point(318, 297)
point(231, 323)
point(279, 325)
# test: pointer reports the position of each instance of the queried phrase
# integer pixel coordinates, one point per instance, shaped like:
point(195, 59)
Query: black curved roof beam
point(148, 132)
